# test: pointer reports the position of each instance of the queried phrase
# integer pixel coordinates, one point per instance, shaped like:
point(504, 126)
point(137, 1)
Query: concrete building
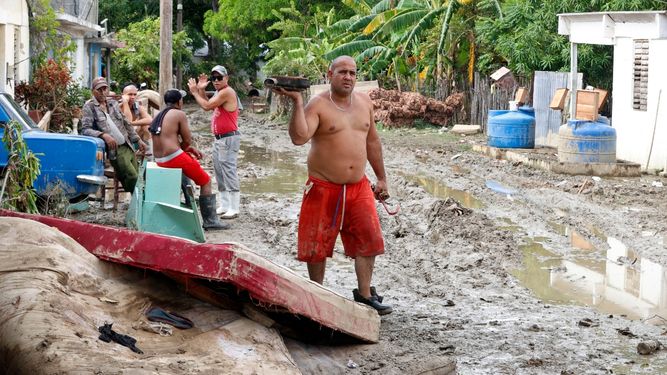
point(79, 20)
point(14, 44)
point(639, 94)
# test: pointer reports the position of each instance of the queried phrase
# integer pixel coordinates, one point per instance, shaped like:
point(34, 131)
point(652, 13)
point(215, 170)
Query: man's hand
point(194, 152)
point(192, 85)
point(294, 95)
point(142, 146)
point(110, 141)
point(380, 190)
point(203, 81)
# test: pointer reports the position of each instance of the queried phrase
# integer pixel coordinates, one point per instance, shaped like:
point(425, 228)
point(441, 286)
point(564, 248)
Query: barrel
point(581, 141)
point(511, 129)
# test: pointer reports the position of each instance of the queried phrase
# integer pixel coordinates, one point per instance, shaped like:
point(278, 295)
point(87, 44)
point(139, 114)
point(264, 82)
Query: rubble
point(401, 109)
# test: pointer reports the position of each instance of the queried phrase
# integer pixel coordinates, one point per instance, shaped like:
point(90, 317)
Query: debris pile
point(396, 109)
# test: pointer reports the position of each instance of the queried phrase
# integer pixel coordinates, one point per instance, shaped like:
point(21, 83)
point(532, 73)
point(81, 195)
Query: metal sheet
point(547, 120)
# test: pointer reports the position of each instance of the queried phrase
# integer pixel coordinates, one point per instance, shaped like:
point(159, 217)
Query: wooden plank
point(587, 105)
point(361, 86)
point(269, 283)
point(558, 101)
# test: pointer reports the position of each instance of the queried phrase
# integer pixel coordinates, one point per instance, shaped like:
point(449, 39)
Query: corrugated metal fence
point(547, 120)
point(481, 96)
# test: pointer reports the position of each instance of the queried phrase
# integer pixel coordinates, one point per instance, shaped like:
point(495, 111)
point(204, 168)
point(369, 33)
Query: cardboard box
point(521, 95)
point(601, 97)
point(558, 101)
point(587, 105)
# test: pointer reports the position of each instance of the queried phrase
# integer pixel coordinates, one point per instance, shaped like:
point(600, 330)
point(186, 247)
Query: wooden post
point(166, 73)
point(179, 27)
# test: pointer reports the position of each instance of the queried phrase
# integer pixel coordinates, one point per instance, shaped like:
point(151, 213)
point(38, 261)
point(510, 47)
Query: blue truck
point(72, 163)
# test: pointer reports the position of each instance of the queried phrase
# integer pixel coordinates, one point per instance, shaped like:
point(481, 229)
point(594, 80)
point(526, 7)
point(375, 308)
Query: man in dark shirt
point(102, 118)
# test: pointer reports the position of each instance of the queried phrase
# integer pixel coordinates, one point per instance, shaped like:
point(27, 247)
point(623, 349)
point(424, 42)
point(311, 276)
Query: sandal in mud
point(372, 302)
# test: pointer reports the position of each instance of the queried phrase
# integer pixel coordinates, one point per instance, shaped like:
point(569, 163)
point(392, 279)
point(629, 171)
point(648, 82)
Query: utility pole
point(166, 72)
point(179, 27)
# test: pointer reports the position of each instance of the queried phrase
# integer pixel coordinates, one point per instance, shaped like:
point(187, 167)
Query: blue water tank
point(512, 129)
point(581, 141)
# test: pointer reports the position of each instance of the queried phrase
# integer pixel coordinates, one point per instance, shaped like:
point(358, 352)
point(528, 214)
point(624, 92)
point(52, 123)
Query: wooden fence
point(479, 97)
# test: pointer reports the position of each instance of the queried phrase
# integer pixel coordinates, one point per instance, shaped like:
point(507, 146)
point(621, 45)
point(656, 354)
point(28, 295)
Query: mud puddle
point(613, 279)
point(268, 171)
point(442, 191)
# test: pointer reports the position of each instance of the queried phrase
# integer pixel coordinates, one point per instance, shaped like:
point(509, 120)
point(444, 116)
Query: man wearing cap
point(102, 118)
point(172, 152)
point(224, 125)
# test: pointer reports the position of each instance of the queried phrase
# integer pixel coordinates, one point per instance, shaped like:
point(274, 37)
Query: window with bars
point(640, 75)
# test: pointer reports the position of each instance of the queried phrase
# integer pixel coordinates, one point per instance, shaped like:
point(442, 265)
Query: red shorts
point(324, 206)
point(190, 167)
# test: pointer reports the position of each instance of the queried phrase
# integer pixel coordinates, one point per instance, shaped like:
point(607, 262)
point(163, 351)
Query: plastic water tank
point(582, 141)
point(511, 129)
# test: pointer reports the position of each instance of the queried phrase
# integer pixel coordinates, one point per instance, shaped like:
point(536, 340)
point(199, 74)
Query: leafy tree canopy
point(253, 22)
point(139, 60)
point(527, 39)
point(121, 13)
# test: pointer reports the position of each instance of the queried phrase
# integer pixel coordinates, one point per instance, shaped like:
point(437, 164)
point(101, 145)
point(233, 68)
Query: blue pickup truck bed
point(72, 163)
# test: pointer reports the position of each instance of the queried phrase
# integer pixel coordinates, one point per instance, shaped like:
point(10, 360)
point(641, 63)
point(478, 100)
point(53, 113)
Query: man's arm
point(200, 96)
point(186, 136)
point(304, 121)
point(144, 118)
point(131, 133)
point(88, 122)
point(374, 155)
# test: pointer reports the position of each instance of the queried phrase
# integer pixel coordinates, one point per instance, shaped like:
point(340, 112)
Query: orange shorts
point(325, 205)
point(190, 167)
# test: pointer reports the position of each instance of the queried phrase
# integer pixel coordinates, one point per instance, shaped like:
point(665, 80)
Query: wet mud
point(497, 282)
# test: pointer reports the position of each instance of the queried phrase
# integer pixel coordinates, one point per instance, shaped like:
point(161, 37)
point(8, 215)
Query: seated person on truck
point(102, 118)
point(172, 149)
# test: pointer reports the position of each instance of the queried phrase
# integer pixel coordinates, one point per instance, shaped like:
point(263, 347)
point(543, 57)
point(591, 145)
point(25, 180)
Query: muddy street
point(498, 267)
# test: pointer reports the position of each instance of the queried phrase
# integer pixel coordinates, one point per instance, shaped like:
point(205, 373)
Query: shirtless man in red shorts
point(338, 197)
point(170, 152)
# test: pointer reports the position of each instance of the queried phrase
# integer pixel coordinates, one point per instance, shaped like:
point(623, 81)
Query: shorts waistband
point(333, 185)
point(228, 134)
point(169, 157)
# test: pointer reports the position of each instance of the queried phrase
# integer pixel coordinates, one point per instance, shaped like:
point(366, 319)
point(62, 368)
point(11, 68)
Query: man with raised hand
point(338, 197)
point(224, 125)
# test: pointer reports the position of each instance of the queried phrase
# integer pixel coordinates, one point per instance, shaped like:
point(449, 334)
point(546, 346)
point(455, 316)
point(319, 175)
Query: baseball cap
point(99, 82)
point(173, 96)
point(219, 69)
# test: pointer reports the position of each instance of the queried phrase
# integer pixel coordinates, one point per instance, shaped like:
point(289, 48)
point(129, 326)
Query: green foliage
point(527, 39)
point(52, 89)
point(44, 36)
point(139, 59)
point(20, 173)
point(244, 25)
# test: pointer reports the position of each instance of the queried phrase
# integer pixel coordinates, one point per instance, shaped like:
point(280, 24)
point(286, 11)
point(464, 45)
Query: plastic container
point(581, 141)
point(511, 129)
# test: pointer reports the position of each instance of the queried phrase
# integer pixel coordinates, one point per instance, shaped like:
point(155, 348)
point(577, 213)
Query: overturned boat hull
point(268, 285)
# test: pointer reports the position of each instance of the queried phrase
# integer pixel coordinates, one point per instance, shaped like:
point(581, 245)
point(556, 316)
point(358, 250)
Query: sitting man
point(102, 118)
point(136, 114)
point(172, 152)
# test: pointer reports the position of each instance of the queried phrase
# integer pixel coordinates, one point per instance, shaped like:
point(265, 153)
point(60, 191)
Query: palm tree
point(389, 34)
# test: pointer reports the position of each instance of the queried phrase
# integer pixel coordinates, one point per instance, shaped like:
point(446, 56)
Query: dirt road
point(537, 281)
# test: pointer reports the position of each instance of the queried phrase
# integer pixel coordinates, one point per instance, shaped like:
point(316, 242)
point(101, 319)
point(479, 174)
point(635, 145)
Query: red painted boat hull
point(268, 283)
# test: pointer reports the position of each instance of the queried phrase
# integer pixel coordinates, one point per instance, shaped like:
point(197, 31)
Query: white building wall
point(635, 128)
point(14, 45)
point(78, 64)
